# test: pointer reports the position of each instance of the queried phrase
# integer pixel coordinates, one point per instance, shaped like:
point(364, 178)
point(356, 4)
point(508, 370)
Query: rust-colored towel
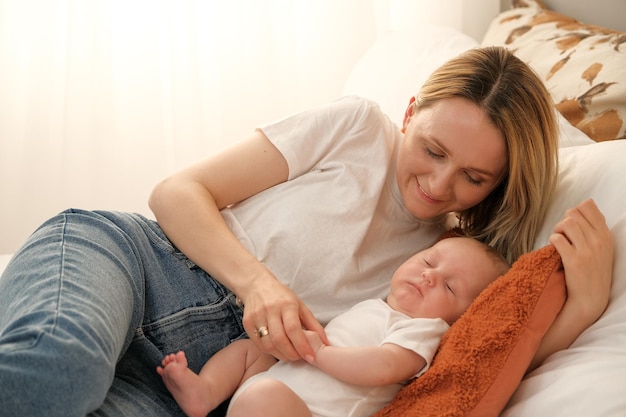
point(484, 355)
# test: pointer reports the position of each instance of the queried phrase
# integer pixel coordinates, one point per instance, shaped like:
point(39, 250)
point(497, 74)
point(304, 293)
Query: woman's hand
point(585, 244)
point(316, 344)
point(272, 307)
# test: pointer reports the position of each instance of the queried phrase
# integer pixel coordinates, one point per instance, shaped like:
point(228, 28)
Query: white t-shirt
point(369, 323)
point(337, 229)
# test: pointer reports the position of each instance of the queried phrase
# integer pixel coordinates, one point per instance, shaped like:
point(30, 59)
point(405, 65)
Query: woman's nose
point(440, 181)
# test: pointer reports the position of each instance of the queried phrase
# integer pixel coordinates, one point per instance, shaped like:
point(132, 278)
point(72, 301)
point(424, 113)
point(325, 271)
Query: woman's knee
point(65, 298)
point(47, 373)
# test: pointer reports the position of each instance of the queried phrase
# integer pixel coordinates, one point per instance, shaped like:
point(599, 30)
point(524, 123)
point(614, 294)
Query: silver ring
point(262, 331)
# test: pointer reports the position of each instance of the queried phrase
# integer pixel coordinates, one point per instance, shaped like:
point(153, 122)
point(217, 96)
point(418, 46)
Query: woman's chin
point(428, 210)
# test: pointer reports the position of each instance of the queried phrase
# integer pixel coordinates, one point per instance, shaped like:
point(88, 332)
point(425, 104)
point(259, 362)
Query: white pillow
point(395, 66)
point(570, 135)
point(589, 378)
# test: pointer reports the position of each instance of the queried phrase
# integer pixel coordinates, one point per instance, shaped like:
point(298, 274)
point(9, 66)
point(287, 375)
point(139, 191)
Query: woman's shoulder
point(356, 113)
point(344, 117)
point(358, 105)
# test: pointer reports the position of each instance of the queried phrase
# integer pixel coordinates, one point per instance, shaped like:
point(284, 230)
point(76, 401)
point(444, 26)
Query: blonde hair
point(519, 105)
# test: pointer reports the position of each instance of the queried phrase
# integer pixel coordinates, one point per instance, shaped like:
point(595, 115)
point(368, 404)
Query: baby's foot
point(188, 389)
point(177, 360)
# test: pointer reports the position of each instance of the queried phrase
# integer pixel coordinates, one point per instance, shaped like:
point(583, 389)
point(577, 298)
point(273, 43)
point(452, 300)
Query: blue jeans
point(88, 308)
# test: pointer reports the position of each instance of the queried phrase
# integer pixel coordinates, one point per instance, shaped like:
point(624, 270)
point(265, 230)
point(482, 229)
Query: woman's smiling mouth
point(425, 195)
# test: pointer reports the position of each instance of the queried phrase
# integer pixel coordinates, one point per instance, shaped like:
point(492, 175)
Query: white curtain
point(99, 99)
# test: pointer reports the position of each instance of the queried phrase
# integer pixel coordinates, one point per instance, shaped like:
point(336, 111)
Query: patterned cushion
point(582, 65)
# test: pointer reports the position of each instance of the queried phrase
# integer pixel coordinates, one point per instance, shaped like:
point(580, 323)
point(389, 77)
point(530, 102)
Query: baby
point(376, 346)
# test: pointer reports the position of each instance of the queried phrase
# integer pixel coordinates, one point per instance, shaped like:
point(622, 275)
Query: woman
point(298, 223)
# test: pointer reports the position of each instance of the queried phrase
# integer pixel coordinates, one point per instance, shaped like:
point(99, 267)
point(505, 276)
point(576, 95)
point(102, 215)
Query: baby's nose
point(428, 277)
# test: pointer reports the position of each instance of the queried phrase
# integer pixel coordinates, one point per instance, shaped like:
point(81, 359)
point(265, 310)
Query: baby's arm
point(365, 365)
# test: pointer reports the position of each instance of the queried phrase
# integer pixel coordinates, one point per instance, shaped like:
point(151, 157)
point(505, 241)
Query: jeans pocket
point(199, 331)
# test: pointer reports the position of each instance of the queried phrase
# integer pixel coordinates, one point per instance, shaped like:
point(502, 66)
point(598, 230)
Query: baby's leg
point(198, 394)
point(192, 393)
point(268, 398)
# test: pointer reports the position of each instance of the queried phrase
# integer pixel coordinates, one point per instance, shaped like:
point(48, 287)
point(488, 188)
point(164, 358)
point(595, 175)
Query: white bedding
point(4, 260)
point(589, 378)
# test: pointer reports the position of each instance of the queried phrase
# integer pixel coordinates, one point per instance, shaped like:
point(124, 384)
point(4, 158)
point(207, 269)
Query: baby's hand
point(315, 342)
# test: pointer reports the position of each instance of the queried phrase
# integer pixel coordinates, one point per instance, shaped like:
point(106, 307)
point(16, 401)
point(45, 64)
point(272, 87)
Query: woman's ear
point(410, 110)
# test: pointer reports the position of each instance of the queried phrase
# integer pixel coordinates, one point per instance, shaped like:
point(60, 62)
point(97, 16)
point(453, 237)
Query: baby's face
point(443, 280)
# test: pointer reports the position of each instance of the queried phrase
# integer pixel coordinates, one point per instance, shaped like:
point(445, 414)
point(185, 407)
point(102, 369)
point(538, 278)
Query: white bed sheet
point(4, 260)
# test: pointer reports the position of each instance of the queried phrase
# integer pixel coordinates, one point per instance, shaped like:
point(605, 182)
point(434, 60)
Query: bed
point(584, 66)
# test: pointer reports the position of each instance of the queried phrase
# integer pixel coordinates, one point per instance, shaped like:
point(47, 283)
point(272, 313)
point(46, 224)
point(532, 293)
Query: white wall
point(83, 126)
point(469, 16)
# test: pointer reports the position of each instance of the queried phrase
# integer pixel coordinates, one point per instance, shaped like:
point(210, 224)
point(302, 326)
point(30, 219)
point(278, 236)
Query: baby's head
point(443, 280)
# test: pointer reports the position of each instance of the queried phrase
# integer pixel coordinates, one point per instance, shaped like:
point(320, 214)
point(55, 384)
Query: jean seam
point(61, 276)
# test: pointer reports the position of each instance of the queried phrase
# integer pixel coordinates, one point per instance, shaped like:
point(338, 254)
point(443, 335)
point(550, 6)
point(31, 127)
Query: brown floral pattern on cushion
point(583, 66)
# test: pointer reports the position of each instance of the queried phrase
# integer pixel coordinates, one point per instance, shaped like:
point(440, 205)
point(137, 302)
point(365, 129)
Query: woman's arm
point(585, 244)
point(366, 365)
point(187, 205)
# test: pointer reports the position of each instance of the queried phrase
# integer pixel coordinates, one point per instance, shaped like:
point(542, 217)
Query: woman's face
point(451, 158)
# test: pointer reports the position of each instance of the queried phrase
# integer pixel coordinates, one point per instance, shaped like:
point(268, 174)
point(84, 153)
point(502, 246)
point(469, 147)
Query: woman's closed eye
point(471, 179)
point(432, 153)
point(435, 155)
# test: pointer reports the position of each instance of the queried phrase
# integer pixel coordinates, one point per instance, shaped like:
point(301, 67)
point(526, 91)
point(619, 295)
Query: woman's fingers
point(282, 316)
point(309, 322)
point(279, 342)
point(584, 223)
point(585, 244)
point(295, 331)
